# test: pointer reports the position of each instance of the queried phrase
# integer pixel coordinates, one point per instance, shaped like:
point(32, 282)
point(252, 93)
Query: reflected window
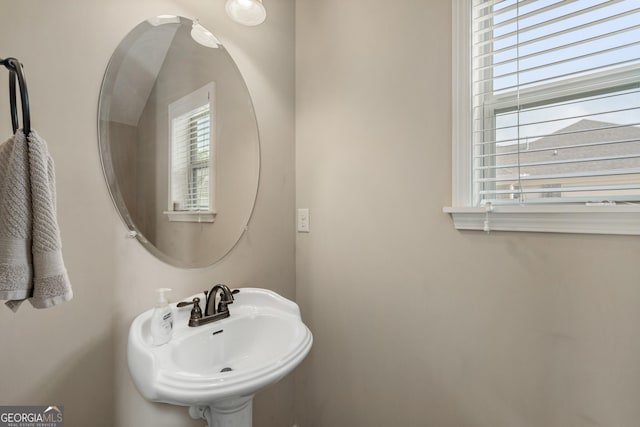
point(191, 187)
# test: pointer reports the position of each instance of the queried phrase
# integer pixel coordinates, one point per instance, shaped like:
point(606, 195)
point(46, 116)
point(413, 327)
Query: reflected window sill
point(191, 216)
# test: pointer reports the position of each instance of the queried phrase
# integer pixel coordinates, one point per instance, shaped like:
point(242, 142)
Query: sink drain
point(226, 370)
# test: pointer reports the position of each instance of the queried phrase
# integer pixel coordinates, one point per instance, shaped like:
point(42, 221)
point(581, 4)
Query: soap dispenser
point(161, 319)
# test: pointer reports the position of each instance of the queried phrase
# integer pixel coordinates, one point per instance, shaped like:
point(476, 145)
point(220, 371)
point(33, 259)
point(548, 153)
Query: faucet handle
point(196, 300)
point(226, 298)
point(196, 312)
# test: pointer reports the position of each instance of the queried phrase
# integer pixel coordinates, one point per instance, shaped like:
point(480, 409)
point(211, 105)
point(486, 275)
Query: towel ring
point(15, 69)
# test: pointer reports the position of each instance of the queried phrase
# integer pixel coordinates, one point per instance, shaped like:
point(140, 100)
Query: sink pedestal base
point(227, 413)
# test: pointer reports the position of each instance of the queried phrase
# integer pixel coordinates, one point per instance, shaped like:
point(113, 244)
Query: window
point(191, 174)
point(547, 115)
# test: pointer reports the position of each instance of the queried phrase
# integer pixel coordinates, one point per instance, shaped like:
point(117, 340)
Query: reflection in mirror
point(179, 141)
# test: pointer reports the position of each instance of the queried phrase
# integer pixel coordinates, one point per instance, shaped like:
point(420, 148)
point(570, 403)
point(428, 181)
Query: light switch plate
point(303, 220)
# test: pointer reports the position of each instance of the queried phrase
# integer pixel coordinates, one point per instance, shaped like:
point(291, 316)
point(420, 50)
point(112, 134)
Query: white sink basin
point(260, 342)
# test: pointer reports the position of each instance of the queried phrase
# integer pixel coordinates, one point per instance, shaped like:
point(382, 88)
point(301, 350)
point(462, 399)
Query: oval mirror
point(179, 141)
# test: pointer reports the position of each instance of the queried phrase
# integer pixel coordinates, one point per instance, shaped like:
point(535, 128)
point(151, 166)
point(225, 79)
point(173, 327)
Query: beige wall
point(75, 354)
point(415, 323)
point(123, 139)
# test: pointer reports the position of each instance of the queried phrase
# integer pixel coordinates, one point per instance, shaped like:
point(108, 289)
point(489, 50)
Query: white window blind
point(555, 101)
point(190, 157)
point(191, 174)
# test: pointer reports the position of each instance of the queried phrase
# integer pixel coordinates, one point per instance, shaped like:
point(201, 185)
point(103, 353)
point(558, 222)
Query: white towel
point(31, 265)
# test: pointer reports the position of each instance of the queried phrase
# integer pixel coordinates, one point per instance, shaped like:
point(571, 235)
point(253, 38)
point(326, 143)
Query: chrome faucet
point(212, 312)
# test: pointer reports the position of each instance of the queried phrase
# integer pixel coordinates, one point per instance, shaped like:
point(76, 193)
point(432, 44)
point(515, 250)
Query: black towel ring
point(15, 69)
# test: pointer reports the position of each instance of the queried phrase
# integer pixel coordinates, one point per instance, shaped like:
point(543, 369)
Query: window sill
point(623, 220)
point(191, 216)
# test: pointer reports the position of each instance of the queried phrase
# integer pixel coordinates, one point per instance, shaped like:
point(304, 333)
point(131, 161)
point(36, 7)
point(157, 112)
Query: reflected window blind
point(190, 160)
point(556, 101)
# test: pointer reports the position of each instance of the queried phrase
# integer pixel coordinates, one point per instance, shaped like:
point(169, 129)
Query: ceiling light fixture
point(246, 12)
point(163, 19)
point(203, 36)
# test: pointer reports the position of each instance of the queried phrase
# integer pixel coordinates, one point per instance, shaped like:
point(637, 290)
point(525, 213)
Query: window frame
point(175, 109)
point(595, 218)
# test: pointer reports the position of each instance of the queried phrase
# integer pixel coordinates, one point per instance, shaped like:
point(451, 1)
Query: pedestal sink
point(216, 369)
